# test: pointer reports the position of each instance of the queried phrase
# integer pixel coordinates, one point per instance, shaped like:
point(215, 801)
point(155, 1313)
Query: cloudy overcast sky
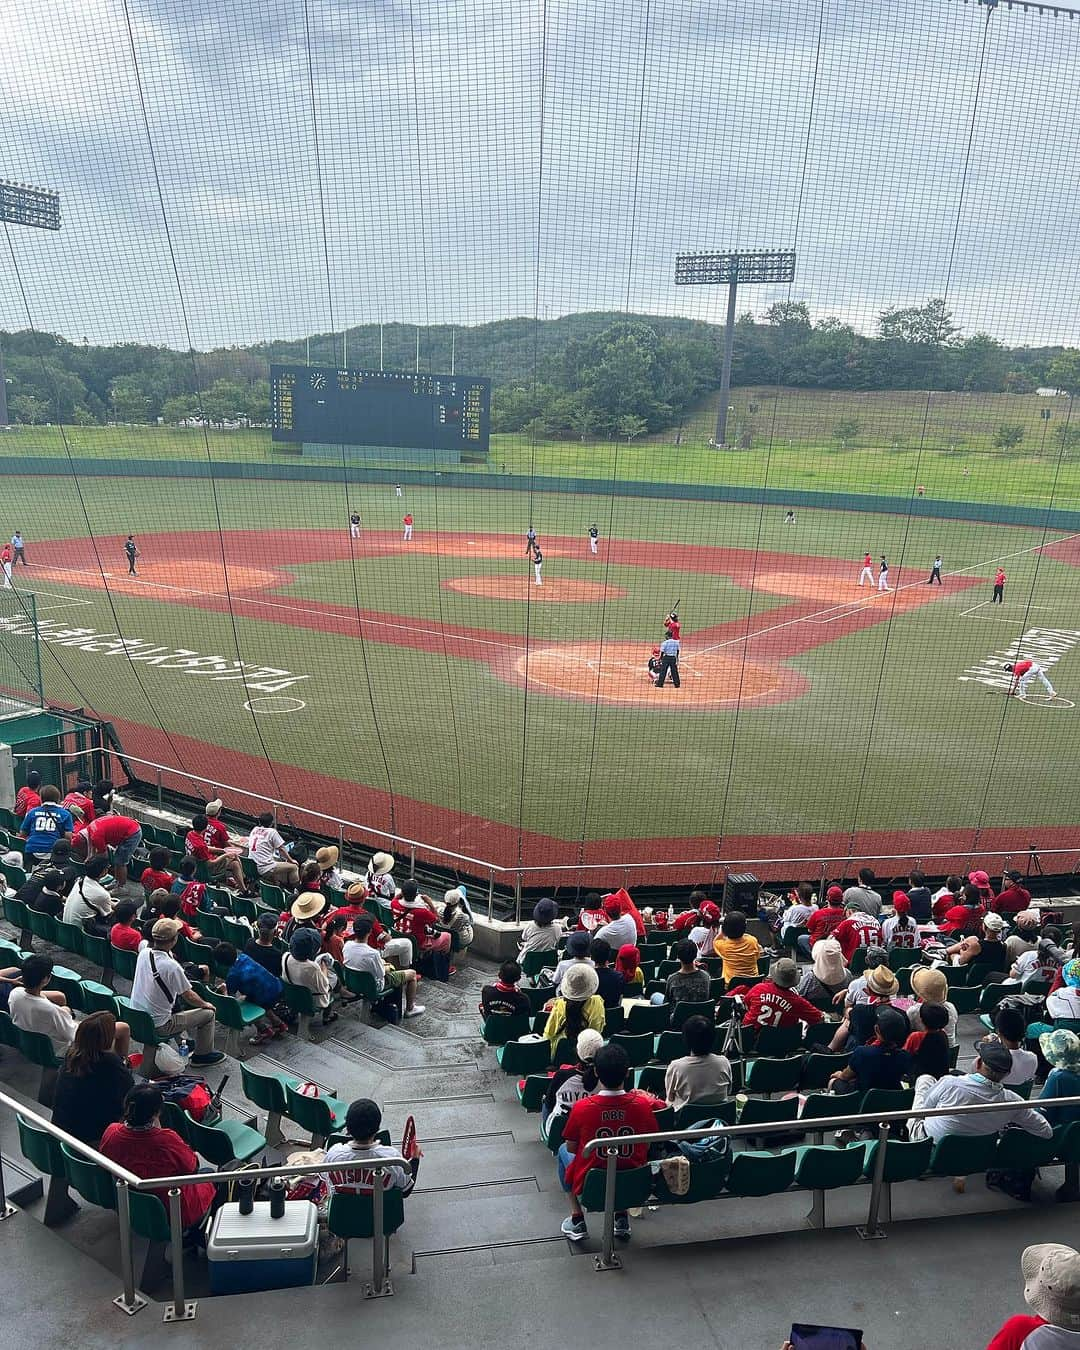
point(488, 158)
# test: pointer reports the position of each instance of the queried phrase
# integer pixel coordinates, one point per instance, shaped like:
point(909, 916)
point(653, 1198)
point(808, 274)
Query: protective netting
point(407, 206)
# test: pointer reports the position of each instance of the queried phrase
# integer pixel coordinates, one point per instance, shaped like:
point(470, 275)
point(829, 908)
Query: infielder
point(935, 572)
point(397, 489)
point(6, 556)
point(883, 575)
point(538, 564)
point(354, 524)
point(1023, 672)
point(131, 552)
point(406, 520)
point(867, 573)
point(594, 537)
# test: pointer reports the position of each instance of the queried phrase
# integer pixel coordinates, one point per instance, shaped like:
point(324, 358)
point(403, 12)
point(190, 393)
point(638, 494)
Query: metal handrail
point(609, 1146)
point(181, 1309)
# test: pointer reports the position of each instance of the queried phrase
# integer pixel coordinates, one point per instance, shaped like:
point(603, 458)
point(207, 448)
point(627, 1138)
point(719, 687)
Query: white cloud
point(434, 185)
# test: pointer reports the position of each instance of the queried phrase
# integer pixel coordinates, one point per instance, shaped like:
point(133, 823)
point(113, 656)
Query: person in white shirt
point(266, 848)
point(983, 1086)
point(1011, 1028)
point(800, 909)
point(360, 955)
point(159, 984)
point(30, 1010)
point(1064, 1003)
point(88, 903)
point(621, 928)
point(345, 1161)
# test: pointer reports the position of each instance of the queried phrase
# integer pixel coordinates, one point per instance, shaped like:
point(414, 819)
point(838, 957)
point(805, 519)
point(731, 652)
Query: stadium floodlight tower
point(38, 208)
point(733, 270)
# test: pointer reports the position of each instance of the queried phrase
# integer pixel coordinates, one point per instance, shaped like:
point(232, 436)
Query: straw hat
point(356, 891)
point(930, 985)
point(579, 983)
point(327, 856)
point(381, 863)
point(880, 980)
point(308, 905)
point(1051, 1274)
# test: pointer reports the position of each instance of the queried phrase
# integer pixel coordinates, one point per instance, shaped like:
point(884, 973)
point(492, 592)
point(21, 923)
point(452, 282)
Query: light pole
point(732, 269)
point(39, 209)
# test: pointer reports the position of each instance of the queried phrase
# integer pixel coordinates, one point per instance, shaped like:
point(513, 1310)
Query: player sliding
point(1023, 672)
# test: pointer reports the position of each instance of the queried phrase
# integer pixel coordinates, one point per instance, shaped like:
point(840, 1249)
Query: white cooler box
point(249, 1252)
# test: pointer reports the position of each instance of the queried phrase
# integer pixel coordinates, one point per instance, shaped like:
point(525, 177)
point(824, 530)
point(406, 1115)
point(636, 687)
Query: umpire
point(669, 662)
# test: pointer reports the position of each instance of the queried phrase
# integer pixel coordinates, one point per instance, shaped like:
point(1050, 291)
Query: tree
point(127, 401)
point(927, 325)
point(1008, 436)
point(27, 409)
point(180, 408)
point(1064, 371)
point(1066, 436)
point(631, 426)
point(846, 429)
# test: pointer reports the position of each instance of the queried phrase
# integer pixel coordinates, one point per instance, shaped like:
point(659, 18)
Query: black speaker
point(741, 891)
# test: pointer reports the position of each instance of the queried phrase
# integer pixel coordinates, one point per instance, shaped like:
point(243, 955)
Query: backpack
point(191, 1095)
point(712, 1149)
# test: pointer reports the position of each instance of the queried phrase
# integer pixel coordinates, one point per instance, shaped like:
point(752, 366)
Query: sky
point(237, 170)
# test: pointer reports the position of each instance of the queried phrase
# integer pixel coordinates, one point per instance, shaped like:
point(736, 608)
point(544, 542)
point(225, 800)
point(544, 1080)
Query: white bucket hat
point(579, 983)
point(1051, 1274)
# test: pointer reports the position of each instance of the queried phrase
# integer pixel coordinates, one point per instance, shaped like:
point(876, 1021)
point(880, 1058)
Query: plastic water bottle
point(670, 915)
point(184, 1048)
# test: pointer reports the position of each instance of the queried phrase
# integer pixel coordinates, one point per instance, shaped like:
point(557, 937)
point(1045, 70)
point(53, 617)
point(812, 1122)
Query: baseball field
point(433, 689)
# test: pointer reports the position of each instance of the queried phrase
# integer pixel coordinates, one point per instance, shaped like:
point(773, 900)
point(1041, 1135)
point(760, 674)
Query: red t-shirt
point(1012, 900)
point(857, 930)
point(195, 846)
point(25, 800)
point(154, 881)
point(109, 831)
point(768, 1005)
point(942, 906)
point(84, 803)
point(126, 938)
point(963, 919)
point(603, 1115)
point(1016, 1333)
point(216, 835)
point(688, 919)
point(415, 920)
point(824, 922)
point(159, 1153)
point(999, 579)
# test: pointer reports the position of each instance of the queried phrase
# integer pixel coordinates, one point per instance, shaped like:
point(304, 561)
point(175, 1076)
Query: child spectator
point(823, 922)
point(1011, 1028)
point(930, 986)
point(611, 986)
point(571, 1082)
point(330, 878)
point(457, 917)
point(248, 980)
point(192, 893)
point(592, 916)
point(576, 950)
point(705, 932)
point(627, 963)
point(690, 983)
point(123, 934)
point(333, 937)
point(737, 948)
point(504, 997)
point(261, 947)
point(220, 863)
point(157, 876)
point(929, 1048)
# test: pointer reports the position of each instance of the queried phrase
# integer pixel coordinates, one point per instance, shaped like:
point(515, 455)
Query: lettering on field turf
point(1044, 645)
point(266, 679)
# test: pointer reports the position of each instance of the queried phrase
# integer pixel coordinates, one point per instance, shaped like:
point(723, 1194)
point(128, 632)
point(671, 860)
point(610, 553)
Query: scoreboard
point(380, 408)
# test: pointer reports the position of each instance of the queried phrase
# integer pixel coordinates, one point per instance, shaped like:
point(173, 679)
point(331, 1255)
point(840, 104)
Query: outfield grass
point(944, 445)
point(886, 736)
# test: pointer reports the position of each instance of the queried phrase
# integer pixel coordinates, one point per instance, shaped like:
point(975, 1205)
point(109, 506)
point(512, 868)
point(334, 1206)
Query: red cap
point(709, 911)
point(613, 906)
point(901, 902)
point(834, 893)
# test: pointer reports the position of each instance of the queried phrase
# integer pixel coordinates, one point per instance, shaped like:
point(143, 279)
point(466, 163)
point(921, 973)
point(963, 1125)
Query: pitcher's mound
point(617, 674)
point(555, 590)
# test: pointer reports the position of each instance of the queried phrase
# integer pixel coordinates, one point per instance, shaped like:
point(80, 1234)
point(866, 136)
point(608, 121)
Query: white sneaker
point(417, 1010)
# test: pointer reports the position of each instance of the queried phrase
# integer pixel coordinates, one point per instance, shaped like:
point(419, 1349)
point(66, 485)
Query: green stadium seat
point(44, 1151)
point(900, 958)
point(819, 1035)
point(757, 1174)
point(66, 982)
point(99, 998)
point(639, 1049)
point(301, 1001)
point(69, 936)
point(211, 927)
point(884, 1099)
point(498, 1028)
point(532, 1090)
point(1019, 1151)
point(778, 1042)
point(532, 963)
point(773, 1075)
point(695, 1114)
point(123, 962)
point(903, 1161)
point(91, 1181)
point(824, 1167)
point(38, 1049)
point(41, 925)
point(353, 1216)
point(98, 951)
point(819, 1068)
point(964, 1000)
point(682, 1012)
point(648, 1019)
point(233, 1014)
point(269, 1091)
point(769, 1110)
point(650, 1078)
point(225, 1142)
point(633, 1186)
point(321, 1115)
point(522, 1058)
point(961, 1155)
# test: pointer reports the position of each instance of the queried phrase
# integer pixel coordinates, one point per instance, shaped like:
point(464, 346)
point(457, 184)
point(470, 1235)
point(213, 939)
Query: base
point(385, 1290)
point(180, 1312)
point(137, 1303)
point(870, 1234)
point(614, 1264)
